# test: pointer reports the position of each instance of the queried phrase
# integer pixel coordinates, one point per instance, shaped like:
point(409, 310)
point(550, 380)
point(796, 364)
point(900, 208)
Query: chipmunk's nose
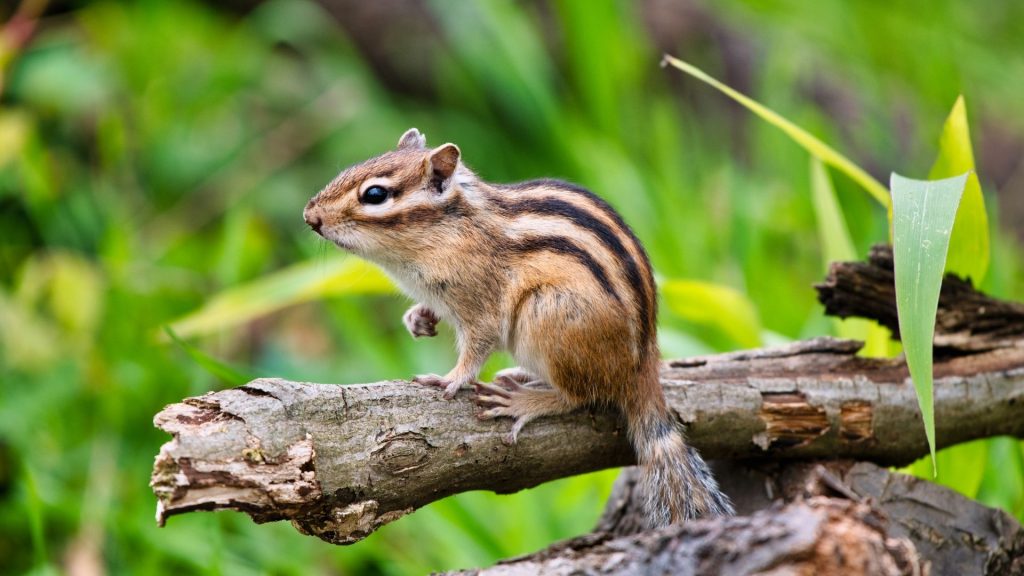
point(312, 218)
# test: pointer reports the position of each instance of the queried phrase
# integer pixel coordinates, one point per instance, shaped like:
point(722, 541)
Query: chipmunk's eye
point(374, 195)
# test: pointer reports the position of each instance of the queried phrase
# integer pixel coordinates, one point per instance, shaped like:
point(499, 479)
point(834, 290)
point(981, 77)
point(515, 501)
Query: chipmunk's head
point(393, 206)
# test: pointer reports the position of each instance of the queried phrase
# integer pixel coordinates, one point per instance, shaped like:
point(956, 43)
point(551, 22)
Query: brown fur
point(544, 270)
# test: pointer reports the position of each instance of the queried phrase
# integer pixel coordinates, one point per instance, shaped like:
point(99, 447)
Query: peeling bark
point(340, 461)
point(269, 482)
point(790, 420)
point(855, 420)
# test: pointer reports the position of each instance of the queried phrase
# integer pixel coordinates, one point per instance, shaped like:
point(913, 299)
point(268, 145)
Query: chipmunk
point(543, 269)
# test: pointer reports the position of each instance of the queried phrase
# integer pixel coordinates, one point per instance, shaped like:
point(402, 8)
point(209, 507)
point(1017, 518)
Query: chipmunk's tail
point(678, 484)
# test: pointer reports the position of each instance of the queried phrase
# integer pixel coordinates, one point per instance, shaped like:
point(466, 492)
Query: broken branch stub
point(966, 319)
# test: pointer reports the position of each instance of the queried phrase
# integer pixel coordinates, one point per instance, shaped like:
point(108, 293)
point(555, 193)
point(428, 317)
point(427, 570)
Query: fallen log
point(953, 534)
point(817, 536)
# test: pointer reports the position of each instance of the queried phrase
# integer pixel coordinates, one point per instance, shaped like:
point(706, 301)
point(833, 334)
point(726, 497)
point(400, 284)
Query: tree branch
point(340, 461)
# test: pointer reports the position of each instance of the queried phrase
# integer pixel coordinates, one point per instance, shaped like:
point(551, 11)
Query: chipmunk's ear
point(443, 162)
point(412, 139)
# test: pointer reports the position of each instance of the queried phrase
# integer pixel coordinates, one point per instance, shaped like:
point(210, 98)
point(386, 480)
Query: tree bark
point(966, 318)
point(817, 536)
point(955, 534)
point(340, 461)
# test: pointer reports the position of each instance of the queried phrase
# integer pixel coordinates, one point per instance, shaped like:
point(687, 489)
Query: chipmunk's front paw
point(451, 386)
point(420, 321)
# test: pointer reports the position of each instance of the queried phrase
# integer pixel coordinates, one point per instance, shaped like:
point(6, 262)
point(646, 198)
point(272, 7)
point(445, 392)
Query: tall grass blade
point(923, 215)
point(303, 282)
point(837, 246)
point(969, 244)
point(812, 144)
point(221, 370)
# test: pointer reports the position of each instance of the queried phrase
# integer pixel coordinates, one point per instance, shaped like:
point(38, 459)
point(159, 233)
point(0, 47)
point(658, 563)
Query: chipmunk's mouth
point(342, 235)
point(340, 241)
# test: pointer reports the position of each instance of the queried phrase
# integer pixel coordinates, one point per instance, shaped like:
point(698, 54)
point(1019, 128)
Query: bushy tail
point(676, 480)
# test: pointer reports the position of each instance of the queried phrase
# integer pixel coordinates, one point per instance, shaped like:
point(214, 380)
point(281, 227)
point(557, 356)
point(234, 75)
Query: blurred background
point(156, 154)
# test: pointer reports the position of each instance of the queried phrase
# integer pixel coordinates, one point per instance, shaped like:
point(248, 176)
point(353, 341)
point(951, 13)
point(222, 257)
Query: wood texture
point(340, 461)
point(966, 318)
point(955, 534)
point(817, 536)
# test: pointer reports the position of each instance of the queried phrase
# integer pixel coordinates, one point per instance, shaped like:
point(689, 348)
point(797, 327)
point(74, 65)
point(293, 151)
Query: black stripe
point(597, 200)
point(651, 300)
point(554, 207)
point(563, 245)
point(652, 311)
point(454, 208)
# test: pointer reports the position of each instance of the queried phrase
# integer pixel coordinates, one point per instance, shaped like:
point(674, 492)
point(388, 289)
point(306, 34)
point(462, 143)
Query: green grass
point(156, 154)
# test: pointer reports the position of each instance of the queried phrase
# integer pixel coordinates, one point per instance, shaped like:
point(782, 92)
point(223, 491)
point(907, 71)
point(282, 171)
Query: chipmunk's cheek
point(349, 239)
point(341, 243)
point(344, 242)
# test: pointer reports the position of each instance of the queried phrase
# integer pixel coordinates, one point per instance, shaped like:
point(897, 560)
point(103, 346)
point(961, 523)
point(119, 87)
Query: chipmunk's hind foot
point(507, 398)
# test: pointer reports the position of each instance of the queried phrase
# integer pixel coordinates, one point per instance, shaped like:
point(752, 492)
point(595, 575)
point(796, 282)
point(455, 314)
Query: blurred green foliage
point(153, 154)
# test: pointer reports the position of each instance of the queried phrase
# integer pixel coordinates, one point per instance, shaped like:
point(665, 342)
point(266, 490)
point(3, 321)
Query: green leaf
point(837, 246)
point(298, 283)
point(222, 370)
point(923, 214)
point(716, 306)
point(816, 147)
point(969, 245)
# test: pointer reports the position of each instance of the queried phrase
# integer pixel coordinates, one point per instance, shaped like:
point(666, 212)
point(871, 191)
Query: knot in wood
point(347, 524)
point(402, 452)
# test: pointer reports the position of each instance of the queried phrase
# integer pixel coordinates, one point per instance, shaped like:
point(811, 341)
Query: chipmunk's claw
point(503, 398)
point(450, 386)
point(502, 412)
point(451, 390)
point(493, 391)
